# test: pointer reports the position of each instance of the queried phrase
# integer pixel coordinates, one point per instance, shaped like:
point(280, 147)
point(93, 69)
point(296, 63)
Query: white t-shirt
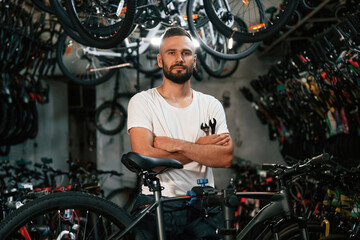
point(148, 109)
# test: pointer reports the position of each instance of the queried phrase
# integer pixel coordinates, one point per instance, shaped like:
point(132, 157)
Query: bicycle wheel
point(79, 64)
point(263, 18)
point(103, 25)
point(336, 237)
point(292, 232)
point(147, 61)
point(210, 39)
point(110, 118)
point(198, 71)
point(217, 68)
point(70, 215)
point(65, 22)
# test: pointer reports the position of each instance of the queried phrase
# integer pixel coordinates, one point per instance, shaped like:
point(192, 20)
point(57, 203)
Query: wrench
point(212, 125)
point(205, 128)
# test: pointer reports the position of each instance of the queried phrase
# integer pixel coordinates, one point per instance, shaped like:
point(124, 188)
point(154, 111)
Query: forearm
point(213, 151)
point(156, 152)
point(219, 156)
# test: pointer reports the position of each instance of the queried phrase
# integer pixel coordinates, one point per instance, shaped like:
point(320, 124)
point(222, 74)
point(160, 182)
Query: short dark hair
point(175, 31)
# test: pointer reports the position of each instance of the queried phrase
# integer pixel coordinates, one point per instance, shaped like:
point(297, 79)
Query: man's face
point(177, 58)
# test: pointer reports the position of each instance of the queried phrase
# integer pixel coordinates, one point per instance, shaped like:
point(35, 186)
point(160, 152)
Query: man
point(175, 121)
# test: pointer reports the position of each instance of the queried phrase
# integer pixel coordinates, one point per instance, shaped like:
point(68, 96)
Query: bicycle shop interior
point(273, 113)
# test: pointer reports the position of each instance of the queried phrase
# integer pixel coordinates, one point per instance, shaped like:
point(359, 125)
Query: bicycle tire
point(95, 32)
point(249, 15)
point(15, 125)
point(148, 61)
point(123, 197)
point(65, 22)
point(292, 232)
point(60, 13)
point(336, 237)
point(67, 54)
point(25, 121)
point(44, 216)
point(198, 71)
point(110, 118)
point(203, 26)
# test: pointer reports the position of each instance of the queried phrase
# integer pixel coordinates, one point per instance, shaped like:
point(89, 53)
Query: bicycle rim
point(101, 25)
point(71, 215)
point(263, 18)
point(210, 39)
point(83, 67)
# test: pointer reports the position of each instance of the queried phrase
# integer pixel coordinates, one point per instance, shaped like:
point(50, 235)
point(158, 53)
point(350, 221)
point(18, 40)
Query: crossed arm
point(214, 150)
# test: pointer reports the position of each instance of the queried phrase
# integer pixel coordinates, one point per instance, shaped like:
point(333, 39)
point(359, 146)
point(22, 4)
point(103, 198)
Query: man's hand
point(217, 139)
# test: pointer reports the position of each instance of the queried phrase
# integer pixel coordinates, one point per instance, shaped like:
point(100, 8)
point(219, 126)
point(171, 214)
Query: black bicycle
point(78, 215)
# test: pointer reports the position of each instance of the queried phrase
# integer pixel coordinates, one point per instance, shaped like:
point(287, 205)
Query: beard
point(177, 77)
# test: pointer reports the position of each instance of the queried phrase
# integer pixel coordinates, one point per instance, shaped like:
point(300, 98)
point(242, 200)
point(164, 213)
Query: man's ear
point(195, 56)
point(159, 60)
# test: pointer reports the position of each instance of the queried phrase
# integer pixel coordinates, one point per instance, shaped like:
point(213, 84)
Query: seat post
point(159, 210)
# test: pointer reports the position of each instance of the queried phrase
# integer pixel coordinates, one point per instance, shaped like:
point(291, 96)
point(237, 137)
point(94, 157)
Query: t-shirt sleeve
point(139, 113)
point(219, 114)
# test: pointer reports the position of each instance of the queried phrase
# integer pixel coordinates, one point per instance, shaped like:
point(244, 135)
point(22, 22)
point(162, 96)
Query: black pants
point(181, 221)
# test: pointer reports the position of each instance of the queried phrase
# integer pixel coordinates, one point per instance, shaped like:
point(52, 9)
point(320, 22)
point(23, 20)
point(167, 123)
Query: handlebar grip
point(268, 166)
point(37, 165)
point(319, 159)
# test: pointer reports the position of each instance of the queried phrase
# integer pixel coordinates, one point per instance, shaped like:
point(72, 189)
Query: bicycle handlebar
point(297, 168)
point(59, 172)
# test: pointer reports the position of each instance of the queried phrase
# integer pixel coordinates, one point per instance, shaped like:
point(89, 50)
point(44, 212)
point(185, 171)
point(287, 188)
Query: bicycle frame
point(279, 206)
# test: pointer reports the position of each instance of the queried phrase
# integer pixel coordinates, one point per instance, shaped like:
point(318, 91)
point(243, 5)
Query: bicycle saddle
point(137, 162)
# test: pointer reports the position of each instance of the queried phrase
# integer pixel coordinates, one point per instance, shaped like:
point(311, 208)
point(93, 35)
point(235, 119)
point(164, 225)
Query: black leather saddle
point(136, 162)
